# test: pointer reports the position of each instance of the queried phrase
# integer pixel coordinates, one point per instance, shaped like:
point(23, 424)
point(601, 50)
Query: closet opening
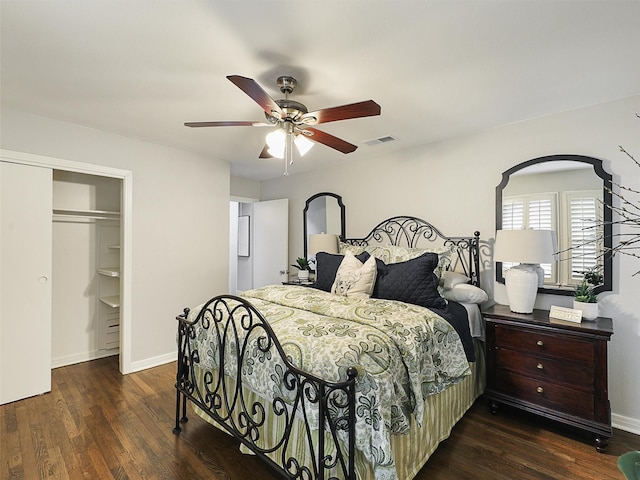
point(86, 261)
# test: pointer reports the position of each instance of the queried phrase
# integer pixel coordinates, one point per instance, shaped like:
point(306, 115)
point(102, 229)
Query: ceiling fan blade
point(227, 124)
point(255, 91)
point(367, 108)
point(265, 153)
point(330, 141)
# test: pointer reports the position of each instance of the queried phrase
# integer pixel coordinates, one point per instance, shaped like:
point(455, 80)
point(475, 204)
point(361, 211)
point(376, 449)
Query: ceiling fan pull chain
point(290, 147)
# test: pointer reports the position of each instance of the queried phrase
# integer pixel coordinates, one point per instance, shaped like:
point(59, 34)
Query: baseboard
point(82, 357)
point(153, 362)
point(627, 424)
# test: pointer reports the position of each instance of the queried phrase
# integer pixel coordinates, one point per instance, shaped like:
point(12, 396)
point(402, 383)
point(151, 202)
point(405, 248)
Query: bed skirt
point(410, 451)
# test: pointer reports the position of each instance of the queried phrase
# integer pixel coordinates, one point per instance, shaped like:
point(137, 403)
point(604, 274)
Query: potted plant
point(585, 298)
point(302, 264)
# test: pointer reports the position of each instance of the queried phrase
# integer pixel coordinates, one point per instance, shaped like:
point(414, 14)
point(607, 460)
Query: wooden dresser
point(556, 369)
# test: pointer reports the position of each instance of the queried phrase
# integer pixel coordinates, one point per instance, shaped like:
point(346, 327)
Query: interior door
point(25, 280)
point(270, 241)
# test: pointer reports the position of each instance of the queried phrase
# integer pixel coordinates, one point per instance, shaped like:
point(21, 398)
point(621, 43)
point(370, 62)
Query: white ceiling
point(439, 69)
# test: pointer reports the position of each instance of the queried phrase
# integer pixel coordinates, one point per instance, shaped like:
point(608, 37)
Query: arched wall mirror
point(323, 213)
point(570, 194)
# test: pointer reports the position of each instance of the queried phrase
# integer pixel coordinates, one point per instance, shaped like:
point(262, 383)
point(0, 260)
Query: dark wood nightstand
point(556, 369)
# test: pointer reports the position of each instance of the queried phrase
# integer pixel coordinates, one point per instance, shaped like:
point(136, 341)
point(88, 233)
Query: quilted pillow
point(395, 254)
point(413, 281)
point(354, 278)
point(327, 265)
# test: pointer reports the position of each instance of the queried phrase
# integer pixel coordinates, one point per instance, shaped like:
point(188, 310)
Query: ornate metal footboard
point(321, 412)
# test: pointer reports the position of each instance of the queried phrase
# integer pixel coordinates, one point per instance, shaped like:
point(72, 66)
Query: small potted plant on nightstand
point(585, 298)
point(302, 264)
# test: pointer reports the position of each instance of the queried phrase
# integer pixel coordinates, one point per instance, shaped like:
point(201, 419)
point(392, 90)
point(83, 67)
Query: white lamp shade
point(322, 242)
point(525, 246)
point(303, 144)
point(276, 142)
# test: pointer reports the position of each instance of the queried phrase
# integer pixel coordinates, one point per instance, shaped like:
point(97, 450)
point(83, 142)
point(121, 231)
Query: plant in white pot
point(302, 264)
point(585, 298)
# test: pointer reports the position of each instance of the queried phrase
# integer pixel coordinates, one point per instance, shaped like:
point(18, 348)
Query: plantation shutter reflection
point(585, 235)
point(531, 211)
point(541, 218)
point(512, 219)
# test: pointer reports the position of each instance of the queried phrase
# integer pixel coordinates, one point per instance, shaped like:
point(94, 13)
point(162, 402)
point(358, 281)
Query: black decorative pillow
point(327, 265)
point(412, 281)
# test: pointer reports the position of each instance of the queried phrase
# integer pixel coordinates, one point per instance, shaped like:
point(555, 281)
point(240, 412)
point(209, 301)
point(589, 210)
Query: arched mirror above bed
point(570, 194)
point(323, 213)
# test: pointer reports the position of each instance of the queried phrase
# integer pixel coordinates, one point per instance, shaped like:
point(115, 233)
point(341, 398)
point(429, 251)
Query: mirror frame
point(606, 286)
point(306, 209)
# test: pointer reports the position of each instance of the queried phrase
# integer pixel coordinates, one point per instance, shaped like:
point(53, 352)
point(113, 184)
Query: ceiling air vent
point(380, 140)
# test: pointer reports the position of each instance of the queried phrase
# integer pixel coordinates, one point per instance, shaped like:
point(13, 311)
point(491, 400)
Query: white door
point(25, 280)
point(270, 241)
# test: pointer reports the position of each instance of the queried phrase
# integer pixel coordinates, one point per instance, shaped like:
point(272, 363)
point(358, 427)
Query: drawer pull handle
point(540, 390)
point(540, 343)
point(540, 366)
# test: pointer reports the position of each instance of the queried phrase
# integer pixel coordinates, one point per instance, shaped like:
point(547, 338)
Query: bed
point(327, 383)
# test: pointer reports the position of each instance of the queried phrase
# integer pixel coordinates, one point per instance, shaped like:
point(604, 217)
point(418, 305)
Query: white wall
point(180, 207)
point(243, 188)
point(452, 184)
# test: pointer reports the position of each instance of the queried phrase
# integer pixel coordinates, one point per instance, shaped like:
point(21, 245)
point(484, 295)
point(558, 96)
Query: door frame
point(126, 216)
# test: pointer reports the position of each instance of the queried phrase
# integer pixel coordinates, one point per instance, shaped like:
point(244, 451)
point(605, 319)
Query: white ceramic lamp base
point(522, 287)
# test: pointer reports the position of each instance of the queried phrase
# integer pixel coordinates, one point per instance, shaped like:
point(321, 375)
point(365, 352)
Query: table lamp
point(322, 242)
point(529, 248)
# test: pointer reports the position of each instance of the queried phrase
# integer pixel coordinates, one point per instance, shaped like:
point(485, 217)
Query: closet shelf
point(112, 301)
point(93, 214)
point(109, 271)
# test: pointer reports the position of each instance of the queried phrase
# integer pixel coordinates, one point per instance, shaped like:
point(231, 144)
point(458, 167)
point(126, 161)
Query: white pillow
point(466, 293)
point(451, 279)
point(354, 278)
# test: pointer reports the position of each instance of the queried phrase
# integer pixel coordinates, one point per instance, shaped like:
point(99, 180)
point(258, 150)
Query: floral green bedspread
point(402, 352)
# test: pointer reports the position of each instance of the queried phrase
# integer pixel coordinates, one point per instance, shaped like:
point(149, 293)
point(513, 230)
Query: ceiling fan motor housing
point(287, 84)
point(291, 110)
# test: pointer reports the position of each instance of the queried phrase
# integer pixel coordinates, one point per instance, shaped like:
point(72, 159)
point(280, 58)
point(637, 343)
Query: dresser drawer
point(574, 374)
point(545, 393)
point(539, 343)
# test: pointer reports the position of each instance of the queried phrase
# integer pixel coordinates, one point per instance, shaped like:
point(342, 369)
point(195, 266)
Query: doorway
point(264, 226)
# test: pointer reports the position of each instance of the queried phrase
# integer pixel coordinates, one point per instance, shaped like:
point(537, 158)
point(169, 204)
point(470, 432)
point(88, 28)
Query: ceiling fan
point(293, 120)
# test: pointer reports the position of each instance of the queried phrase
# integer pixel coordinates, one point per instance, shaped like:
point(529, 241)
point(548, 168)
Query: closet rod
point(86, 214)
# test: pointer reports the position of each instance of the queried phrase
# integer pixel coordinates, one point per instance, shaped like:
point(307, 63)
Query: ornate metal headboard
point(413, 232)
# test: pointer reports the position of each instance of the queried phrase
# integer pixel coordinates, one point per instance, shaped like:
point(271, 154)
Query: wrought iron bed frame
point(238, 326)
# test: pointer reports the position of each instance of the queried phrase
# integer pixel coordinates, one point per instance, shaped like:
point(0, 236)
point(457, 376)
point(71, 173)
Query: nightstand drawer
point(552, 345)
point(571, 373)
point(545, 393)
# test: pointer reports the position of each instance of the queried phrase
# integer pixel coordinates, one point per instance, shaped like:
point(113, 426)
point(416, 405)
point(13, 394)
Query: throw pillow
point(354, 278)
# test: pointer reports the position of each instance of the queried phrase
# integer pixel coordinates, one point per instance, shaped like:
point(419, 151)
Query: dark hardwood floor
point(98, 424)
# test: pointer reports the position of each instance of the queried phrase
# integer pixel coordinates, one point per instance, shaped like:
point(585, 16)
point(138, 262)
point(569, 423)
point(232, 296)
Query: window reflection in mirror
point(567, 194)
point(323, 213)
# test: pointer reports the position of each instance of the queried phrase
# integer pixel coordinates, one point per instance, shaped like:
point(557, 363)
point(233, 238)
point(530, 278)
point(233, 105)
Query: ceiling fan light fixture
point(276, 142)
point(303, 144)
